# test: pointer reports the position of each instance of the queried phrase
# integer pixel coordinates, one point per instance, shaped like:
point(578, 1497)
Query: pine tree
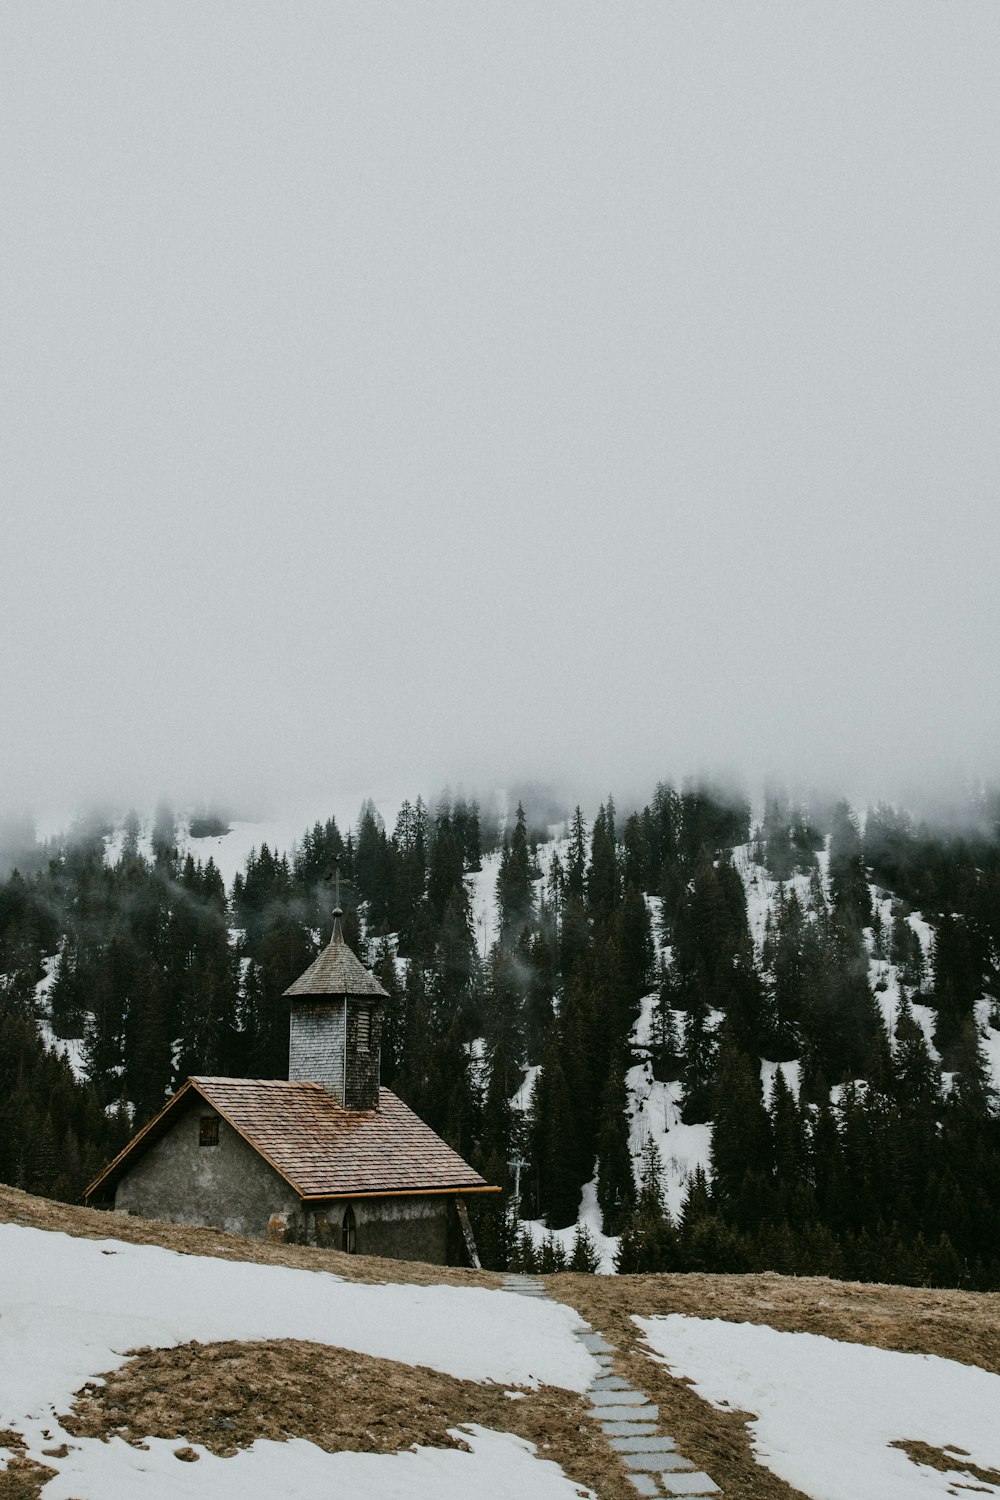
point(666, 1047)
point(848, 877)
point(551, 1134)
point(700, 1052)
point(585, 1255)
point(447, 862)
point(574, 937)
point(539, 1006)
point(515, 895)
point(603, 876)
point(633, 931)
point(957, 985)
point(457, 978)
point(553, 1256)
point(576, 859)
point(147, 1051)
point(649, 1239)
point(615, 1184)
point(741, 1137)
point(393, 1023)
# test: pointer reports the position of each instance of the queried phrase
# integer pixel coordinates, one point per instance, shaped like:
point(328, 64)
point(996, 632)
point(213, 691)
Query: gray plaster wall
point(316, 1044)
point(405, 1228)
point(227, 1186)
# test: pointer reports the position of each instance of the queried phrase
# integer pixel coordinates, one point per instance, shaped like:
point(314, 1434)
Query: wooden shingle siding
point(362, 1064)
point(316, 1044)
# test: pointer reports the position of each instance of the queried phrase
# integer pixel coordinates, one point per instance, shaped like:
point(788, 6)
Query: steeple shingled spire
point(337, 972)
point(335, 1026)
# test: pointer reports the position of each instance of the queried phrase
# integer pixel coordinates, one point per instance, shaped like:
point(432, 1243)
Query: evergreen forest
point(820, 986)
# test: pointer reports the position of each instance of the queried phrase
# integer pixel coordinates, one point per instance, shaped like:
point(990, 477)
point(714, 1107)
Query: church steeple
point(336, 1024)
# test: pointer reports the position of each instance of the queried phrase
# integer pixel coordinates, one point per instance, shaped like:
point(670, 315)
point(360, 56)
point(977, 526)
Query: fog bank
point(429, 393)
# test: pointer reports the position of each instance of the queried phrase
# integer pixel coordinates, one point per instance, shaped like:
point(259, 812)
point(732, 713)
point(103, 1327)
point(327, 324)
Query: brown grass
point(23, 1478)
point(224, 1396)
point(948, 1461)
point(97, 1224)
point(958, 1325)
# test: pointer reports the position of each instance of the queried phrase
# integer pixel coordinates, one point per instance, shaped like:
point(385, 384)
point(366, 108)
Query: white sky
point(395, 394)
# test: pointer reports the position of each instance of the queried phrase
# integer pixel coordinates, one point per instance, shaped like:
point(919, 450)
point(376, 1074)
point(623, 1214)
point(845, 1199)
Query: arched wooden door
point(349, 1232)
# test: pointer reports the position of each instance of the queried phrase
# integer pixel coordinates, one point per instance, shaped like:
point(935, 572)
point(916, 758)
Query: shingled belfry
point(335, 1030)
point(326, 1156)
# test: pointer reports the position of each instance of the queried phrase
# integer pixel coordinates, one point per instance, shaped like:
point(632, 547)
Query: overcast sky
point(396, 394)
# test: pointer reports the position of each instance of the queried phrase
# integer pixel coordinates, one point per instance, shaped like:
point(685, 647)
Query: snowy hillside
point(186, 982)
point(229, 851)
point(53, 1345)
point(655, 1107)
point(100, 1382)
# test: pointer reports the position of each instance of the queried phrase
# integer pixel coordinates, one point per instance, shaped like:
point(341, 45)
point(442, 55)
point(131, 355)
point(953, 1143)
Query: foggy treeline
point(886, 1166)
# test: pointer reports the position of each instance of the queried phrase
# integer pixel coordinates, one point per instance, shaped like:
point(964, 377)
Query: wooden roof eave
point(404, 1192)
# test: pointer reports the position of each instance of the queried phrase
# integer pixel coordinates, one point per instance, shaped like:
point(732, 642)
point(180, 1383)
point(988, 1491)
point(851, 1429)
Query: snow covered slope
point(71, 1308)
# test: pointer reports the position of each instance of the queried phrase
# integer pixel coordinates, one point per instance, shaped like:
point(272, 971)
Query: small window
point(349, 1232)
point(364, 1030)
point(208, 1135)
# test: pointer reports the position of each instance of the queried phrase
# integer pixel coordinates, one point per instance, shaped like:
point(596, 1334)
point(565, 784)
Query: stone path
point(629, 1419)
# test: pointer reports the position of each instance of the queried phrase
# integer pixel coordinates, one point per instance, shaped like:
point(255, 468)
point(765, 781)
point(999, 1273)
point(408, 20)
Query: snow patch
point(68, 1048)
point(826, 1412)
point(498, 1466)
point(990, 1039)
point(788, 1070)
point(521, 1100)
point(642, 1030)
point(655, 1111)
point(482, 888)
point(590, 1217)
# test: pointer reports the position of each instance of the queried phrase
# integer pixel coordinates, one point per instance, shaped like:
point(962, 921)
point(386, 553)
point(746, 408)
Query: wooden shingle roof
point(337, 971)
point(321, 1149)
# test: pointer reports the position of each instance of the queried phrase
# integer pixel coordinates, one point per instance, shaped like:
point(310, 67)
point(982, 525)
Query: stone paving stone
point(629, 1419)
point(656, 1463)
point(596, 1343)
point(645, 1485)
point(689, 1484)
point(648, 1413)
point(627, 1397)
point(645, 1444)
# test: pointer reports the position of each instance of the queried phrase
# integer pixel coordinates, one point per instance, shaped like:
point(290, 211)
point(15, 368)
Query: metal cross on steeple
point(334, 875)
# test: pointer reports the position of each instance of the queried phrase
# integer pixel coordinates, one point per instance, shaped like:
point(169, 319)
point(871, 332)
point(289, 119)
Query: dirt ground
point(225, 1395)
point(23, 1478)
